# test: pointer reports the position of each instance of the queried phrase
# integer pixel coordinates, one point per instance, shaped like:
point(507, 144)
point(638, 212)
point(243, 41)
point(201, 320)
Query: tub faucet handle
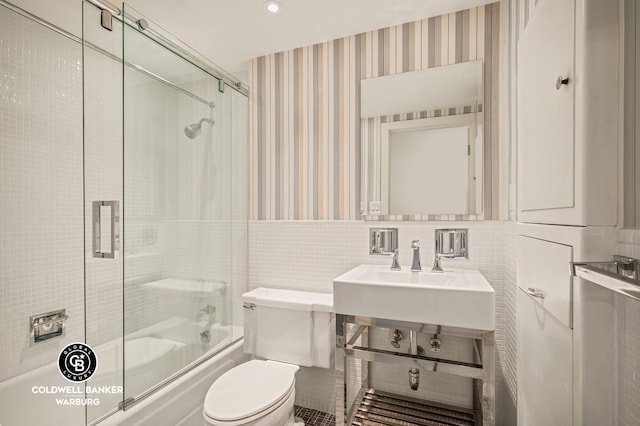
point(209, 310)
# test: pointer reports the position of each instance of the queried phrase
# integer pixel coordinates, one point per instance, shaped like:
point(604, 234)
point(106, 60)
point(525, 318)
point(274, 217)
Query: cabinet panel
point(545, 113)
point(545, 376)
point(544, 266)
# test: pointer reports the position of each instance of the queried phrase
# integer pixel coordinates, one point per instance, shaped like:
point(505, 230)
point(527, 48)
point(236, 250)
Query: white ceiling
point(232, 32)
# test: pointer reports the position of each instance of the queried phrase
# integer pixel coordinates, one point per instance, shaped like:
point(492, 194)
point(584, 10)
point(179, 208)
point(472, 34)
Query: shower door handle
point(106, 229)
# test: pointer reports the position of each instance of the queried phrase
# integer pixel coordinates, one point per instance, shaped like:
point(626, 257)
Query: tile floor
point(315, 418)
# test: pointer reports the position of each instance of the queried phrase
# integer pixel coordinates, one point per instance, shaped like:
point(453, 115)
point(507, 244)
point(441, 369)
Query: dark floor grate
point(314, 417)
point(389, 410)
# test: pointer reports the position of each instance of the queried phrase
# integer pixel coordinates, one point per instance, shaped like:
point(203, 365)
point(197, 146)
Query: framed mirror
point(422, 143)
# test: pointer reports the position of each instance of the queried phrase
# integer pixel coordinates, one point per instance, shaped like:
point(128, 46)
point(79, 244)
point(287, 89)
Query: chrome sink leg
point(414, 373)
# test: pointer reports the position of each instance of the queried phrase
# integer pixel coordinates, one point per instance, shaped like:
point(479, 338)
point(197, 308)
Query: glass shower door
point(165, 203)
point(177, 209)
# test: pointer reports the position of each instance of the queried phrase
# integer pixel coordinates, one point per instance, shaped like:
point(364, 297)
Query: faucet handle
point(437, 266)
point(415, 244)
point(395, 263)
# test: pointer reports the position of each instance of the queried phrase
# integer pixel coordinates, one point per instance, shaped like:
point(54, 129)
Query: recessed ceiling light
point(273, 7)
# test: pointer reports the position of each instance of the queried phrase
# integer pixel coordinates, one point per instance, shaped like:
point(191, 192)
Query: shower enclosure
point(124, 165)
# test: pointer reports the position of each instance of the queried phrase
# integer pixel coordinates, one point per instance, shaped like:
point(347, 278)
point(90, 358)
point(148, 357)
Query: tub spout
point(205, 336)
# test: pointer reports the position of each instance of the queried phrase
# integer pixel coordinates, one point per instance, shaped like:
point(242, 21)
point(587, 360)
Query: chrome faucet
point(395, 263)
point(210, 311)
point(415, 262)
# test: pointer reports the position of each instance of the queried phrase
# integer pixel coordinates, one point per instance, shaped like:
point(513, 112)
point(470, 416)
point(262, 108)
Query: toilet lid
point(248, 389)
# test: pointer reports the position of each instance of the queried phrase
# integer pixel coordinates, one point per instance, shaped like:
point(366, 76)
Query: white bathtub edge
point(179, 399)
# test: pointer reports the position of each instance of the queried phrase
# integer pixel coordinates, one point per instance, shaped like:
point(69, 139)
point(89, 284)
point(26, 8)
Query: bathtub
point(180, 402)
point(43, 397)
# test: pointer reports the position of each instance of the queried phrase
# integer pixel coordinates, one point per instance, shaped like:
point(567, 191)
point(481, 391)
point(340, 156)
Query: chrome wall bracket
point(48, 325)
point(383, 241)
point(452, 243)
point(106, 20)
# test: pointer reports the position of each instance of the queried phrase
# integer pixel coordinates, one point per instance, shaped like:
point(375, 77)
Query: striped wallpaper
point(305, 130)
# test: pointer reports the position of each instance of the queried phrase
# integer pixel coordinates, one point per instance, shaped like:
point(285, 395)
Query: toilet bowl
point(287, 328)
point(254, 393)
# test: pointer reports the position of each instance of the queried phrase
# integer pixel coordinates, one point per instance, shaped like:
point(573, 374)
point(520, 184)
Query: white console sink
point(456, 297)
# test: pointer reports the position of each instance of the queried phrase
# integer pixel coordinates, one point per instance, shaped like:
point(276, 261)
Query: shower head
point(193, 130)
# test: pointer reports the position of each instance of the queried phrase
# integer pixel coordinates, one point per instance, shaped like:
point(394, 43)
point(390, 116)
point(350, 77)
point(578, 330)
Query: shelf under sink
point(381, 408)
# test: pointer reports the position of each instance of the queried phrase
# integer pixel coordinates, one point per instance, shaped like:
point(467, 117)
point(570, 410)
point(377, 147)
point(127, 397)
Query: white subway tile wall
point(506, 360)
point(103, 181)
point(41, 217)
point(189, 197)
point(308, 255)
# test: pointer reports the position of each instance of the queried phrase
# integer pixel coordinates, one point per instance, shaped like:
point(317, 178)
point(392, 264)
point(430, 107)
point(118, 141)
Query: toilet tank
point(290, 326)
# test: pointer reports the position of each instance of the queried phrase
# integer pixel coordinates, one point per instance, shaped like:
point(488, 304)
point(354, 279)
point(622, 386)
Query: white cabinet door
point(545, 376)
point(545, 113)
point(544, 268)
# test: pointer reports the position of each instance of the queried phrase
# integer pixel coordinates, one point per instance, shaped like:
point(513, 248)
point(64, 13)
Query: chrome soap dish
point(47, 326)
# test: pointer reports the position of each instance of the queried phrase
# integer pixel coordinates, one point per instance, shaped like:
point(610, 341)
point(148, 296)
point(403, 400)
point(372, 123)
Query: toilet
point(284, 330)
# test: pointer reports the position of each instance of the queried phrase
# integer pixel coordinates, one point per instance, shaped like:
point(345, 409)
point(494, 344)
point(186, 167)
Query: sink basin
point(456, 297)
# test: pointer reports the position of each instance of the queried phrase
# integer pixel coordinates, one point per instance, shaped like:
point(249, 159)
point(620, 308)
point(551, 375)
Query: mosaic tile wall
point(41, 218)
